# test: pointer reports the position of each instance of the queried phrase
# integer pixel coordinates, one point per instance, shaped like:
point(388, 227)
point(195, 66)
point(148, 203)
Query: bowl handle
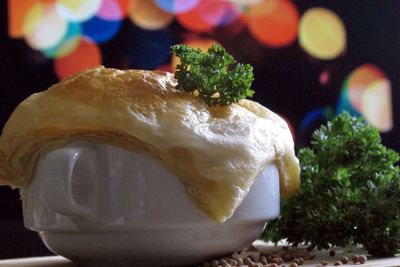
point(69, 174)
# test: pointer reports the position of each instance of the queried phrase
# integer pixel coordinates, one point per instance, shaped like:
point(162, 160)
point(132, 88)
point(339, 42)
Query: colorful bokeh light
point(273, 22)
point(324, 77)
point(17, 13)
point(322, 33)
point(359, 80)
point(32, 18)
point(100, 30)
point(231, 15)
point(367, 92)
point(177, 6)
point(48, 31)
point(214, 13)
point(124, 6)
point(376, 104)
point(147, 15)
point(207, 15)
point(86, 55)
point(78, 10)
point(110, 10)
point(67, 44)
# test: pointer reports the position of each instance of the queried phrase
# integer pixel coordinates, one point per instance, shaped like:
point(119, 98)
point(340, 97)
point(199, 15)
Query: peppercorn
point(337, 263)
point(247, 261)
point(275, 260)
point(362, 259)
point(355, 258)
point(332, 253)
point(297, 261)
point(324, 263)
point(222, 262)
point(344, 260)
point(293, 264)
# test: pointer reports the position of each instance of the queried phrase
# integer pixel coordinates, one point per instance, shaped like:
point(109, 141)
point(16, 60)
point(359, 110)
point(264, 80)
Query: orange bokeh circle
point(86, 55)
point(276, 24)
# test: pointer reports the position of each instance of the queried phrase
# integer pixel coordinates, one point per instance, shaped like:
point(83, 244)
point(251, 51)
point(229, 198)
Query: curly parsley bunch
point(350, 192)
point(215, 76)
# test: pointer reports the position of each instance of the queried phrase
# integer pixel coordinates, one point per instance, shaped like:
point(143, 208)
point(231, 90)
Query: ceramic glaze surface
point(121, 206)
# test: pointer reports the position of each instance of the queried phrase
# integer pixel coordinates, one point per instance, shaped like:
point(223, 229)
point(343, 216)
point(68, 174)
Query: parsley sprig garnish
point(215, 76)
point(349, 194)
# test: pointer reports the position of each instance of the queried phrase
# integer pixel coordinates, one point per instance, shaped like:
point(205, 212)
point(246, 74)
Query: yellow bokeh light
point(376, 105)
point(359, 80)
point(147, 15)
point(49, 31)
point(322, 33)
point(78, 10)
point(32, 18)
point(18, 12)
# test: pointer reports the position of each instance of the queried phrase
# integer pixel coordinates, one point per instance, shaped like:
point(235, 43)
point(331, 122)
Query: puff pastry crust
point(215, 151)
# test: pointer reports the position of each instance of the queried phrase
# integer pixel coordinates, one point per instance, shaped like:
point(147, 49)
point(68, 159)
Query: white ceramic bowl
point(97, 203)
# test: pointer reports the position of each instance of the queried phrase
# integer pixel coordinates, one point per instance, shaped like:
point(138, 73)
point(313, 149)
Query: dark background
point(287, 81)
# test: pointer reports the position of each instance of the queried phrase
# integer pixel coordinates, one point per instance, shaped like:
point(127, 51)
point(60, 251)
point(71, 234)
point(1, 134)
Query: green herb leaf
point(350, 192)
point(215, 76)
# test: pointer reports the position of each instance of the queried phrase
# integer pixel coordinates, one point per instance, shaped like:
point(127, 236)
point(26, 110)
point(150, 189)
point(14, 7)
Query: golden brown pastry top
point(216, 151)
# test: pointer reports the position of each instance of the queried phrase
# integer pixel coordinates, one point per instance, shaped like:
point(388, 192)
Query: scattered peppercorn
point(298, 257)
point(332, 253)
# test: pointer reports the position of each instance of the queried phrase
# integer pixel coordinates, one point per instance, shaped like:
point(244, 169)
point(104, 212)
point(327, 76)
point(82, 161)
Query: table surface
point(58, 261)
